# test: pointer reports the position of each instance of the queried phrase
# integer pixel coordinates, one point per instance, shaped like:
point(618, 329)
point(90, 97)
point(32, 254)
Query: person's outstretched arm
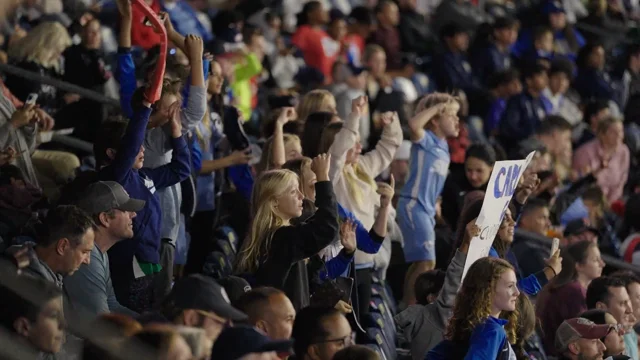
point(126, 69)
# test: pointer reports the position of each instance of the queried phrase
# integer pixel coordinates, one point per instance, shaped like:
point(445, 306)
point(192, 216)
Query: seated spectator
point(528, 344)
point(554, 133)
point(610, 294)
point(632, 283)
point(565, 296)
point(19, 200)
point(535, 217)
point(475, 328)
point(495, 56)
point(595, 111)
point(248, 343)
point(541, 50)
point(33, 311)
point(112, 211)
point(630, 77)
point(502, 86)
point(361, 24)
point(463, 13)
point(416, 35)
point(199, 301)
point(630, 233)
point(614, 340)
point(310, 38)
point(387, 35)
point(606, 151)
point(320, 333)
point(451, 69)
point(164, 342)
point(65, 241)
point(592, 82)
point(424, 325)
point(560, 76)
point(579, 230)
point(579, 338)
point(566, 39)
point(525, 112)
point(269, 310)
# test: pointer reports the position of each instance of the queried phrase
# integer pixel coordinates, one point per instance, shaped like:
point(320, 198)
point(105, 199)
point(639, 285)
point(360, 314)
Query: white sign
point(500, 189)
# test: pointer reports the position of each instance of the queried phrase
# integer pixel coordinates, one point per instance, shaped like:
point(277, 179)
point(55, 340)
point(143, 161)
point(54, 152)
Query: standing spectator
point(65, 241)
point(610, 294)
point(112, 211)
point(476, 328)
point(387, 35)
point(429, 162)
point(269, 310)
point(320, 333)
point(312, 40)
point(606, 151)
point(361, 23)
point(526, 111)
point(565, 296)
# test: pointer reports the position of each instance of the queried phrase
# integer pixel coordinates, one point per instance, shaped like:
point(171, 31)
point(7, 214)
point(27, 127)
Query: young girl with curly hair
point(484, 320)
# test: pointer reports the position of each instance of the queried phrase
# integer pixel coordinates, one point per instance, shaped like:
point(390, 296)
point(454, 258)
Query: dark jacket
point(453, 71)
point(415, 34)
point(85, 67)
point(290, 245)
point(142, 184)
point(21, 88)
point(488, 61)
point(521, 118)
point(594, 84)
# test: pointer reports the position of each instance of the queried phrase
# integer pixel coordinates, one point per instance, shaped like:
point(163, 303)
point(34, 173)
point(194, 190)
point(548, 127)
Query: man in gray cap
point(113, 211)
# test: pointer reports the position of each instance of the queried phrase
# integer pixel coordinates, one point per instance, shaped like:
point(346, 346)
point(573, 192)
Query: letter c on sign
point(497, 191)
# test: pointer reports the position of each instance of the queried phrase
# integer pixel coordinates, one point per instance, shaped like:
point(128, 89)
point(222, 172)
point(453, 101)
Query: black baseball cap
point(103, 196)
point(200, 292)
point(577, 227)
point(235, 286)
point(238, 341)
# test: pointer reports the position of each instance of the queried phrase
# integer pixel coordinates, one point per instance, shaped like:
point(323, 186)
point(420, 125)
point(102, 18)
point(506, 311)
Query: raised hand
point(359, 105)
point(124, 8)
point(386, 192)
point(348, 236)
point(320, 166)
point(287, 114)
point(194, 46)
point(388, 117)
point(240, 157)
point(175, 120)
point(527, 186)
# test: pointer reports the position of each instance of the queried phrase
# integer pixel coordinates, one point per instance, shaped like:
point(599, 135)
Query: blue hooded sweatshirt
point(488, 341)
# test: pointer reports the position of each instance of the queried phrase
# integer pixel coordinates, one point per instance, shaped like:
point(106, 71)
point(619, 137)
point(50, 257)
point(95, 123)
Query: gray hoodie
point(37, 267)
point(424, 325)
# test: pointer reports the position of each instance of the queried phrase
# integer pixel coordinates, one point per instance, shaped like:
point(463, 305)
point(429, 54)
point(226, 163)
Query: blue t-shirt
point(428, 170)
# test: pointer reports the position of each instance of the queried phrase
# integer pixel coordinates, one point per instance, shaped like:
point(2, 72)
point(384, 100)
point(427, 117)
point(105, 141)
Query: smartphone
point(31, 99)
point(555, 246)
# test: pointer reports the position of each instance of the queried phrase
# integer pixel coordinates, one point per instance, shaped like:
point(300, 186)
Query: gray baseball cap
point(104, 196)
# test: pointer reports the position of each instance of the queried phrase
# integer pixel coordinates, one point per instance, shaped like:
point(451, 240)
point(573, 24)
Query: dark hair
point(362, 15)
point(631, 216)
point(628, 277)
point(553, 123)
point(249, 31)
point(253, 302)
point(593, 107)
point(484, 152)
point(595, 315)
point(532, 69)
point(328, 136)
point(584, 53)
point(24, 296)
point(8, 172)
point(532, 205)
point(598, 290)
point(356, 352)
point(428, 283)
point(225, 19)
point(64, 221)
point(561, 66)
point(313, 126)
point(308, 329)
point(503, 78)
point(269, 126)
point(111, 132)
point(303, 16)
point(571, 256)
point(540, 31)
point(382, 4)
point(450, 30)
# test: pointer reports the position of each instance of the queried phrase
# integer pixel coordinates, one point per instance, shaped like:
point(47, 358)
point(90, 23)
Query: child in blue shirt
point(436, 120)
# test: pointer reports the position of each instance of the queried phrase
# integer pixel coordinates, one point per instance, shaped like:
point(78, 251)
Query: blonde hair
point(326, 140)
point(268, 186)
point(297, 167)
point(371, 50)
point(266, 160)
point(40, 44)
point(314, 101)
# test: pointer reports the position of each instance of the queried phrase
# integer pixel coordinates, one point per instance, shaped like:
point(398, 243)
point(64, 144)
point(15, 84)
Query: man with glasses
point(320, 333)
point(199, 301)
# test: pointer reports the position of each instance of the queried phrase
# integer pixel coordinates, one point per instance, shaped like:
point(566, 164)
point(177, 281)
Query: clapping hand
point(320, 166)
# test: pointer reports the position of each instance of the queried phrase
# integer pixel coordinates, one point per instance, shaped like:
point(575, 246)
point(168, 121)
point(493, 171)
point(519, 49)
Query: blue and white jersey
point(428, 170)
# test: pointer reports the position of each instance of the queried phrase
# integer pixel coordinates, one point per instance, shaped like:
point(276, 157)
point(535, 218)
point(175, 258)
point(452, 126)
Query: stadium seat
point(377, 349)
point(226, 232)
point(217, 265)
point(225, 247)
point(375, 335)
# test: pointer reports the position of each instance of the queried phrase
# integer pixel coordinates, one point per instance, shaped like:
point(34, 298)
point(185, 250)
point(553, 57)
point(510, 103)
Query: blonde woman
point(353, 177)
point(485, 319)
point(273, 245)
point(40, 51)
point(316, 101)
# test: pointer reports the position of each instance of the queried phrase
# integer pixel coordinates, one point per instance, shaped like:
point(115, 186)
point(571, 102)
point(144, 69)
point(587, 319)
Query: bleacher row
point(379, 326)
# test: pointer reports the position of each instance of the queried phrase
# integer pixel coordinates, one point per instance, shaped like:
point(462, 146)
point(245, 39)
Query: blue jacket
point(453, 71)
point(532, 284)
point(488, 61)
point(521, 118)
point(594, 84)
point(488, 341)
point(185, 20)
point(142, 184)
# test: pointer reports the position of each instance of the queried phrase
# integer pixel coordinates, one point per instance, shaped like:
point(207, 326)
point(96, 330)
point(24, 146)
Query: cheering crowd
point(273, 179)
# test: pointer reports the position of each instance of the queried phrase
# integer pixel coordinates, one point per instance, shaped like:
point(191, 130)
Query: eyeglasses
point(226, 323)
point(343, 341)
